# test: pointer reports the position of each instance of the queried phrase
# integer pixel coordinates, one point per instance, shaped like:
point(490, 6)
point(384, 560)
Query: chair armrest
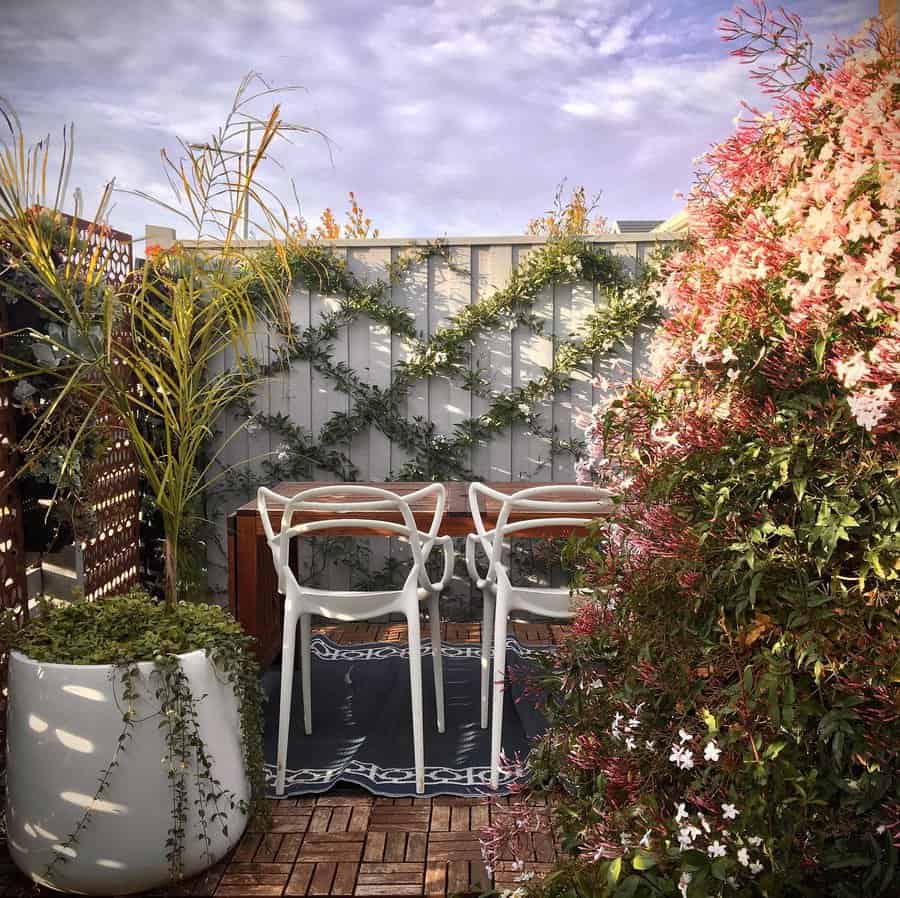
point(472, 540)
point(446, 542)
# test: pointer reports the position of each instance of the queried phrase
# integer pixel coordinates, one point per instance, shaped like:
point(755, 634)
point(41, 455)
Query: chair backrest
point(570, 505)
point(341, 505)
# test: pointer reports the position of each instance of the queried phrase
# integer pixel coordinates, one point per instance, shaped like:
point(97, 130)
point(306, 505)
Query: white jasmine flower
point(712, 752)
point(684, 736)
point(755, 841)
point(645, 841)
point(730, 812)
point(880, 829)
point(597, 684)
point(756, 867)
point(683, 883)
point(649, 744)
point(743, 857)
point(682, 758)
point(630, 743)
point(681, 812)
point(686, 835)
point(704, 823)
point(717, 849)
point(728, 354)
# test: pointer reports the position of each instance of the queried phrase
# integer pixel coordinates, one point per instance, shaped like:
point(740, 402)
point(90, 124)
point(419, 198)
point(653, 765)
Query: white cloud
point(445, 115)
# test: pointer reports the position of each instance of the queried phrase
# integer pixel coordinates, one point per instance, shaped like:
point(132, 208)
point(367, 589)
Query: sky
point(446, 117)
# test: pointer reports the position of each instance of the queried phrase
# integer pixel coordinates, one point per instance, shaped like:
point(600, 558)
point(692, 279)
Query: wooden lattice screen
point(112, 554)
point(13, 590)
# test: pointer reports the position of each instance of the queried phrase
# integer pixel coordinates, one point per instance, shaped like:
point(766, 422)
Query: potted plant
point(134, 740)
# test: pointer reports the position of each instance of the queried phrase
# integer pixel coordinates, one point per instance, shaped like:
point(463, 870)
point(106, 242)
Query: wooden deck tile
point(300, 878)
point(395, 846)
point(289, 849)
point(322, 879)
point(436, 878)
point(268, 848)
point(332, 847)
point(374, 848)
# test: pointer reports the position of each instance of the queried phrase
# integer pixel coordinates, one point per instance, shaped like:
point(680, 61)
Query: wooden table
point(252, 591)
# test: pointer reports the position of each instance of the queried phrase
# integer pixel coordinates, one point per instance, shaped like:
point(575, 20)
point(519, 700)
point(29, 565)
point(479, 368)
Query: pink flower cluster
point(794, 244)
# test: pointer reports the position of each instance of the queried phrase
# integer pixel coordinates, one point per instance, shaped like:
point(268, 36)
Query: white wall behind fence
point(435, 290)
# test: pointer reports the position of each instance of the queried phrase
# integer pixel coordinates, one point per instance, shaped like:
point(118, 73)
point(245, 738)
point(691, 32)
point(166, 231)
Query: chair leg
point(289, 639)
point(500, 623)
point(415, 682)
point(306, 670)
point(487, 628)
point(437, 659)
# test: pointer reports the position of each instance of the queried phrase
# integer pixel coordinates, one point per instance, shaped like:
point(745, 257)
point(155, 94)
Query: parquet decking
point(350, 843)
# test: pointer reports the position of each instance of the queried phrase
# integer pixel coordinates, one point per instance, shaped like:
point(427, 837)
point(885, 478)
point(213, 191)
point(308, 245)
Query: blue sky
point(446, 117)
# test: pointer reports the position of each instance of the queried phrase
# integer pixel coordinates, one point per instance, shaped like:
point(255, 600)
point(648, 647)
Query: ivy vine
point(447, 353)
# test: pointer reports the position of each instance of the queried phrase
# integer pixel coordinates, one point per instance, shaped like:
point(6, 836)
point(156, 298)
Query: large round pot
point(63, 724)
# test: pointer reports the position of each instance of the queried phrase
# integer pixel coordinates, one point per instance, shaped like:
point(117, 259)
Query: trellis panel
point(434, 290)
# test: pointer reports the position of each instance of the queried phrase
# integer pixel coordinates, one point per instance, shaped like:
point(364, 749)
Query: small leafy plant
point(125, 630)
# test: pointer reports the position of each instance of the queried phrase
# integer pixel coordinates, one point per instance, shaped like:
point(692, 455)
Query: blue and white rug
point(362, 721)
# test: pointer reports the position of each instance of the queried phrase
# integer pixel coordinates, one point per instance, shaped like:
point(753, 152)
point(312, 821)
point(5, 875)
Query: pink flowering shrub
point(725, 719)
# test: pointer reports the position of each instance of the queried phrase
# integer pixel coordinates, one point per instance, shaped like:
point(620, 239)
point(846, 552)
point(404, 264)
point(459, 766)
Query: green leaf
point(643, 860)
point(628, 886)
point(614, 871)
point(819, 350)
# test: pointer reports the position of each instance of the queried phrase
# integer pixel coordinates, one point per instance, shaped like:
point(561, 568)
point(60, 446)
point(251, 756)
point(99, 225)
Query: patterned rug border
point(452, 781)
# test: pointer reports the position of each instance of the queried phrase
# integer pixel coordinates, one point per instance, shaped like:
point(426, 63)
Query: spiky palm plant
point(145, 355)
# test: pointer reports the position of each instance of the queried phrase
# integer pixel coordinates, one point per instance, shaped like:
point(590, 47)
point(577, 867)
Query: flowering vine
point(725, 719)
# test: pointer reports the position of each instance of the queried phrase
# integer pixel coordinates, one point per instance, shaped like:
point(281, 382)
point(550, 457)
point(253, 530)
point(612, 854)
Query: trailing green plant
point(125, 630)
point(67, 849)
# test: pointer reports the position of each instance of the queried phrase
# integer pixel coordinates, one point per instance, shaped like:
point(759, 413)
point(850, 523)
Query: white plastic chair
point(301, 602)
point(500, 596)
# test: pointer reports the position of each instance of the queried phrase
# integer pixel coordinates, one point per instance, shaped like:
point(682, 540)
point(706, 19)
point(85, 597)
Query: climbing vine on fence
point(446, 352)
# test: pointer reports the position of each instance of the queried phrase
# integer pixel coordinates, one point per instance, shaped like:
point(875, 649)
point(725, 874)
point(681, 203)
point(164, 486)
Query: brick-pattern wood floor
point(349, 843)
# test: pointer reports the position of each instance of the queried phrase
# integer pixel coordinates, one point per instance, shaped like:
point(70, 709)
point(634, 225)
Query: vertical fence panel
point(565, 322)
point(448, 402)
point(370, 356)
point(325, 398)
point(582, 390)
point(412, 293)
point(493, 357)
point(531, 354)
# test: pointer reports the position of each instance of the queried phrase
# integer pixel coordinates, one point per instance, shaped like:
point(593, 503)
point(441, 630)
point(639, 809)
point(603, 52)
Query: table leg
point(253, 587)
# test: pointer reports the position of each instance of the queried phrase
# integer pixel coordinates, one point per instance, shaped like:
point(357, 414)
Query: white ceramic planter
point(63, 724)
